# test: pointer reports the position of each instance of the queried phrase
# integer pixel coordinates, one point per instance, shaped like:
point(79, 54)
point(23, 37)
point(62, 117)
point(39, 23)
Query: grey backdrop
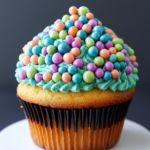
point(20, 20)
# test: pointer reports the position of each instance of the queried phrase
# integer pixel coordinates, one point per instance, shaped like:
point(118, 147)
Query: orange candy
point(33, 43)
point(26, 59)
point(75, 51)
point(133, 58)
point(109, 31)
point(74, 17)
point(73, 10)
point(113, 36)
point(57, 21)
point(87, 28)
point(59, 26)
point(68, 58)
point(99, 23)
point(24, 48)
point(104, 53)
point(36, 39)
point(34, 59)
point(89, 15)
point(115, 73)
point(66, 77)
point(77, 39)
point(47, 76)
point(73, 31)
point(112, 50)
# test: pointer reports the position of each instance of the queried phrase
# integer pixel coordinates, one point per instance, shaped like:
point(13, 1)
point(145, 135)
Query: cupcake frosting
point(77, 53)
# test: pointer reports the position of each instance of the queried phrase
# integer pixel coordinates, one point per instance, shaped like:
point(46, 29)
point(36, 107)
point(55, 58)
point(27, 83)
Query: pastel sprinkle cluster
point(62, 42)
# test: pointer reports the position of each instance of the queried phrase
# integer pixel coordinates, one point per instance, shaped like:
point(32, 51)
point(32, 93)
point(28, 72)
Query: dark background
point(20, 20)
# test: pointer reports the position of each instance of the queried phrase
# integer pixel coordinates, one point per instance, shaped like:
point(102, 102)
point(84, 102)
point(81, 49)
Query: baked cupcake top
point(77, 53)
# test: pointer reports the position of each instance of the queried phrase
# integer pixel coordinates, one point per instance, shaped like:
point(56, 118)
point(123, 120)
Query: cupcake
point(76, 81)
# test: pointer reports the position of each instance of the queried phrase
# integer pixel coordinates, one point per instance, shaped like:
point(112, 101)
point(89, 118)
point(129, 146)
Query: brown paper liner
point(75, 129)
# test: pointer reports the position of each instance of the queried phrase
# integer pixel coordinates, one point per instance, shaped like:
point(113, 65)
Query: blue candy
point(83, 19)
point(18, 65)
point(48, 59)
point(96, 19)
point(46, 36)
point(29, 50)
point(32, 82)
point(69, 24)
point(72, 69)
point(122, 65)
point(117, 65)
point(62, 69)
point(47, 29)
point(126, 47)
point(95, 36)
point(99, 29)
point(63, 48)
point(105, 37)
point(81, 34)
point(77, 78)
point(48, 42)
point(93, 51)
point(112, 58)
point(56, 43)
point(36, 49)
point(107, 76)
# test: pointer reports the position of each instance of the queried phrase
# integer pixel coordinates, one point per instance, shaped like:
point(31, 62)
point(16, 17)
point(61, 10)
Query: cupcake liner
point(88, 128)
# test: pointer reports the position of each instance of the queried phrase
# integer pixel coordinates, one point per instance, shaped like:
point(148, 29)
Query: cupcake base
point(75, 129)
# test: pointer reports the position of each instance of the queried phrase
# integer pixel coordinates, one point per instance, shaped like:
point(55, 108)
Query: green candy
point(117, 41)
point(56, 77)
point(31, 72)
point(54, 35)
point(135, 70)
point(41, 60)
point(83, 10)
point(89, 42)
point(65, 18)
point(51, 49)
point(122, 41)
point(131, 51)
point(88, 76)
point(120, 56)
point(62, 34)
point(21, 56)
point(40, 43)
point(98, 61)
point(118, 47)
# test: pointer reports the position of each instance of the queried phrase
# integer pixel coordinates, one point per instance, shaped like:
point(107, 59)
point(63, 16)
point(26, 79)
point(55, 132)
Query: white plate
point(17, 137)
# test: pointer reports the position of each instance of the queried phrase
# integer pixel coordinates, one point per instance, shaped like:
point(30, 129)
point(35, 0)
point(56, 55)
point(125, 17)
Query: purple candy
point(99, 73)
point(57, 58)
point(54, 68)
point(124, 51)
point(22, 75)
point(108, 44)
point(125, 44)
point(135, 64)
point(109, 66)
point(51, 30)
point(38, 77)
point(128, 70)
point(44, 32)
point(69, 39)
point(44, 50)
point(76, 44)
point(91, 67)
point(22, 64)
point(126, 60)
point(99, 45)
point(78, 24)
point(92, 22)
point(78, 63)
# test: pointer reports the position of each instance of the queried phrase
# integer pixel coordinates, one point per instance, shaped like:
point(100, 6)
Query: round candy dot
point(131, 51)
point(18, 65)
point(77, 78)
point(107, 76)
point(83, 19)
point(73, 10)
point(63, 48)
point(48, 59)
point(112, 50)
point(98, 61)
point(87, 28)
point(104, 53)
point(56, 77)
point(83, 10)
point(22, 64)
point(91, 67)
point(128, 70)
point(135, 64)
point(78, 24)
point(81, 34)
point(112, 58)
point(34, 59)
point(69, 24)
point(38, 77)
point(47, 76)
point(31, 72)
point(54, 35)
point(32, 82)
point(53, 68)
point(108, 44)
point(24, 48)
point(115, 73)
point(99, 23)
point(48, 41)
point(75, 51)
point(122, 65)
point(51, 30)
point(133, 58)
point(135, 70)
point(92, 22)
point(36, 39)
point(95, 36)
point(41, 60)
point(73, 31)
point(113, 36)
point(116, 41)
point(66, 77)
point(117, 65)
point(62, 69)
point(57, 58)
point(68, 58)
point(72, 69)
point(57, 21)
point(99, 73)
point(65, 18)
point(96, 20)
point(89, 15)
point(21, 56)
point(109, 66)
point(105, 37)
point(124, 51)
point(26, 59)
point(77, 39)
point(78, 63)
point(36, 50)
point(99, 29)
point(118, 47)
point(93, 51)
point(74, 17)
point(99, 45)
point(89, 42)
point(120, 56)
point(44, 50)
point(111, 32)
point(62, 34)
point(69, 39)
point(29, 50)
point(51, 49)
point(56, 43)
point(126, 60)
point(88, 76)
point(59, 26)
point(76, 44)
point(22, 75)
